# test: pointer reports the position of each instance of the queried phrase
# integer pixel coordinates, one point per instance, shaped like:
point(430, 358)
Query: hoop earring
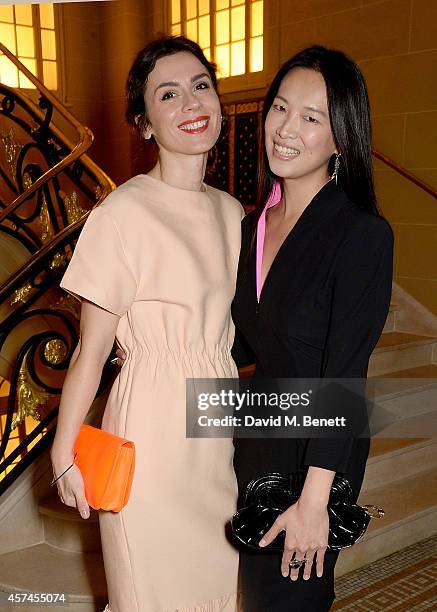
point(336, 167)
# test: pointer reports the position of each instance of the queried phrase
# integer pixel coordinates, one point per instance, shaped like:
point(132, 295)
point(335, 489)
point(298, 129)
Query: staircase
point(48, 185)
point(69, 560)
point(46, 546)
point(401, 474)
point(401, 477)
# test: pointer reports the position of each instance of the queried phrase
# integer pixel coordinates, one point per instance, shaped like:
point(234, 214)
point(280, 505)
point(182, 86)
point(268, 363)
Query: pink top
point(273, 199)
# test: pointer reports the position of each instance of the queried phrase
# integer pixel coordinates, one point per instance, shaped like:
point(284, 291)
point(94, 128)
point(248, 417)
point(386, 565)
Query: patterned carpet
point(404, 581)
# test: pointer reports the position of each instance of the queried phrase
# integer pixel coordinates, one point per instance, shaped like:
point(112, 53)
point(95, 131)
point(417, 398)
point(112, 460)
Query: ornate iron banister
point(77, 151)
point(82, 130)
point(50, 140)
point(85, 136)
point(41, 258)
point(38, 321)
point(38, 369)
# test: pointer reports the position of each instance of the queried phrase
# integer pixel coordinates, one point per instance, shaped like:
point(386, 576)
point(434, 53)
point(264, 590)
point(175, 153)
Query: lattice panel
point(246, 158)
point(218, 167)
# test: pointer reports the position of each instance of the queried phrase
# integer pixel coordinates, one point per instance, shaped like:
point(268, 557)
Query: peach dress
point(165, 260)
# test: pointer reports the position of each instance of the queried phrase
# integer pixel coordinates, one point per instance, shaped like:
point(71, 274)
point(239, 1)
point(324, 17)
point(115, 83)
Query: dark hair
point(143, 65)
point(349, 114)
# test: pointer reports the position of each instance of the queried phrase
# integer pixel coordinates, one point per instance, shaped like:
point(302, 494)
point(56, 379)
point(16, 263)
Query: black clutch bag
point(270, 495)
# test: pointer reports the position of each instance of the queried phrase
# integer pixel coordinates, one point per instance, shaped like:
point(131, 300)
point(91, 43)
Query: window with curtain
point(28, 31)
point(230, 32)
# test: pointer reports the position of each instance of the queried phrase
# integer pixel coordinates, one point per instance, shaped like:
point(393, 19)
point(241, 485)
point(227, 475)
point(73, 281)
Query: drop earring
point(336, 167)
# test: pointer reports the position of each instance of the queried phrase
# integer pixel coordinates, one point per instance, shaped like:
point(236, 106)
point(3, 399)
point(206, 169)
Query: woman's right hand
point(71, 488)
point(96, 339)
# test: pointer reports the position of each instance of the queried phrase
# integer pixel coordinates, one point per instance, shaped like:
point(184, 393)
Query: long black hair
point(349, 114)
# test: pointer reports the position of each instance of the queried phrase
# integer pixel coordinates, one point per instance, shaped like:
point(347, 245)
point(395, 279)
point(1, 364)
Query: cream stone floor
point(403, 581)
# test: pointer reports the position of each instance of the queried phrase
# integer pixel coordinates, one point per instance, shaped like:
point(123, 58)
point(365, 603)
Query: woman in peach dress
point(156, 266)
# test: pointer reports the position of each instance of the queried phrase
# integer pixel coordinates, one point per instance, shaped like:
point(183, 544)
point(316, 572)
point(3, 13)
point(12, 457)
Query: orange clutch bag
point(107, 466)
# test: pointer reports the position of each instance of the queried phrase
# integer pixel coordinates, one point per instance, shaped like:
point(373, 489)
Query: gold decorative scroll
point(11, 147)
point(55, 351)
point(27, 180)
point(72, 206)
point(44, 222)
point(68, 303)
point(58, 261)
point(21, 294)
point(28, 397)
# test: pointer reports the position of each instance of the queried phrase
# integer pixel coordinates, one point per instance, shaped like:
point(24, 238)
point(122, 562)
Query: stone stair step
point(399, 351)
point(45, 569)
point(80, 535)
point(406, 393)
point(390, 324)
point(393, 459)
point(411, 392)
point(401, 340)
point(410, 505)
point(53, 507)
point(418, 426)
point(379, 446)
point(426, 371)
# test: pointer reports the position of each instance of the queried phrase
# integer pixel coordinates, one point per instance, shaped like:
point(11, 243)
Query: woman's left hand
point(306, 525)
point(120, 357)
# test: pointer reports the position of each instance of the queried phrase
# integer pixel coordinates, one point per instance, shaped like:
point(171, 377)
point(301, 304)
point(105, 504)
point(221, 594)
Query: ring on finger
point(296, 563)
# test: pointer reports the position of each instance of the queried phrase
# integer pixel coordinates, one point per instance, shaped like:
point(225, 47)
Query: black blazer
point(321, 312)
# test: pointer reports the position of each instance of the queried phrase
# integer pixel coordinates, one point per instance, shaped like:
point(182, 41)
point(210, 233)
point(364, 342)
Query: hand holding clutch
point(70, 485)
point(106, 463)
point(270, 495)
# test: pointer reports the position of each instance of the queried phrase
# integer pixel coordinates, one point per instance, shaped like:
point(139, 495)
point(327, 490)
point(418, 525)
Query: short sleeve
point(99, 270)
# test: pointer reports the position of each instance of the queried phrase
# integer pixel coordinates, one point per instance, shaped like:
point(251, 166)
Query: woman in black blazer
point(313, 293)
